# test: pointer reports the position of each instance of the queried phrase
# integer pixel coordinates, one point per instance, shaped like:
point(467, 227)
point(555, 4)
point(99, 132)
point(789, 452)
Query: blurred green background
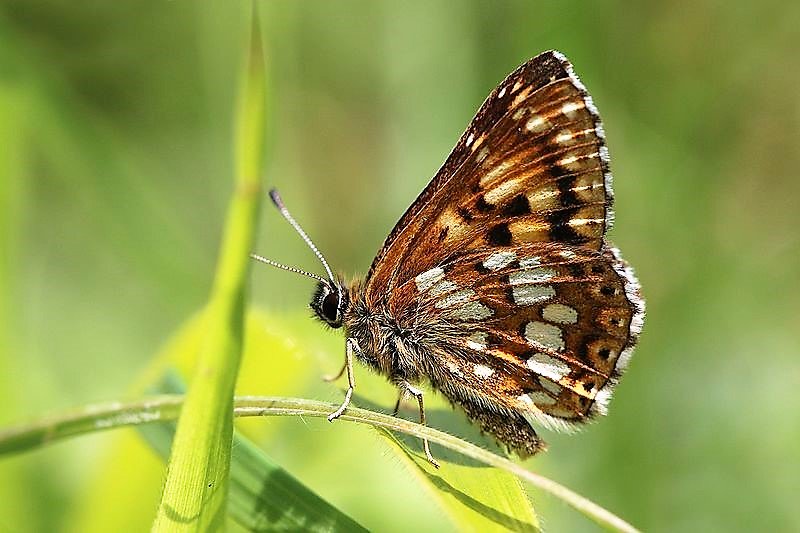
point(115, 171)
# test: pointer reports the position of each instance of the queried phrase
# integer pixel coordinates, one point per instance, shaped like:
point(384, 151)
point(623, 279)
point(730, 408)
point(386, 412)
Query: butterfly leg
point(339, 374)
point(400, 398)
point(348, 365)
point(408, 388)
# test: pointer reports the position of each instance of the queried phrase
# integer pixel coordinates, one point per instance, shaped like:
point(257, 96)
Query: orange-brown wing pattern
point(531, 167)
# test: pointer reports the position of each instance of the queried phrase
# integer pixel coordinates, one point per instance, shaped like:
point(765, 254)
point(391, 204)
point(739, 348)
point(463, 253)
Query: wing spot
point(606, 290)
point(471, 312)
point(531, 275)
point(532, 261)
point(504, 190)
point(560, 313)
point(518, 206)
point(429, 278)
point(585, 221)
point(465, 214)
point(523, 295)
point(483, 206)
point(570, 108)
point(537, 123)
point(499, 260)
point(523, 94)
point(547, 366)
point(544, 335)
point(499, 235)
point(442, 287)
point(454, 298)
point(483, 371)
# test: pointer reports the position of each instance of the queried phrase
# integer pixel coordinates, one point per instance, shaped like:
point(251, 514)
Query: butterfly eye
point(329, 303)
point(330, 308)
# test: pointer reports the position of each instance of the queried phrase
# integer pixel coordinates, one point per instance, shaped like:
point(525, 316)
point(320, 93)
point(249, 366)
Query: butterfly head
point(330, 302)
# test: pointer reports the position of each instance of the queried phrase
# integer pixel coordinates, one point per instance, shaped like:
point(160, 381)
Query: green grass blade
point(196, 488)
point(165, 408)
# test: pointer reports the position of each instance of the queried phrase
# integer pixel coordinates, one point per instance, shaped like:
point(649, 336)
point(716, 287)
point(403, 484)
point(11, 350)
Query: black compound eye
point(330, 307)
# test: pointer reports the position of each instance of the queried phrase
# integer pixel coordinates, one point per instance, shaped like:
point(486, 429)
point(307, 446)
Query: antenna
point(276, 199)
point(270, 262)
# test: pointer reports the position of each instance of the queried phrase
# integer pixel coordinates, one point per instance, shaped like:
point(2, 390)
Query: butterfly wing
point(502, 267)
point(541, 329)
point(531, 167)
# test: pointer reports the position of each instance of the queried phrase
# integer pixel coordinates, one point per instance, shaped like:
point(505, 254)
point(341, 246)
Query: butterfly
point(498, 287)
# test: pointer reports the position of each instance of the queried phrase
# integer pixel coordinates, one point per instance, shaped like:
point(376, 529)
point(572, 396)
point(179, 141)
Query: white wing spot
point(544, 335)
point(501, 93)
point(537, 123)
point(499, 260)
point(531, 275)
point(427, 279)
point(506, 189)
point(584, 221)
point(471, 312)
point(570, 107)
point(483, 371)
point(455, 298)
point(586, 187)
point(442, 287)
point(547, 366)
point(564, 137)
point(532, 294)
point(470, 138)
point(560, 313)
point(527, 262)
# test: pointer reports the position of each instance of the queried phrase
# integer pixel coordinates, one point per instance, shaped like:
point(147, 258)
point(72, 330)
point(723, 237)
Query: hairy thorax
point(390, 345)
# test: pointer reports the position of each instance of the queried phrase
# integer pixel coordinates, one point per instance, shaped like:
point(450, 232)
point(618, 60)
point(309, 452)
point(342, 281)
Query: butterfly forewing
point(531, 167)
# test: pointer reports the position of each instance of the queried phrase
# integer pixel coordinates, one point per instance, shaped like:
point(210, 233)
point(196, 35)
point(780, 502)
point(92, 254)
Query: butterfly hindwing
point(543, 330)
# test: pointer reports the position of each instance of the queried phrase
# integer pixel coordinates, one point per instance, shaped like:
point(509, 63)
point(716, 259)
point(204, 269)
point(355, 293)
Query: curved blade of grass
point(196, 488)
point(166, 408)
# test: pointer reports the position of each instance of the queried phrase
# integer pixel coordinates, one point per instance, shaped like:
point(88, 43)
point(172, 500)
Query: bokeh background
point(115, 171)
